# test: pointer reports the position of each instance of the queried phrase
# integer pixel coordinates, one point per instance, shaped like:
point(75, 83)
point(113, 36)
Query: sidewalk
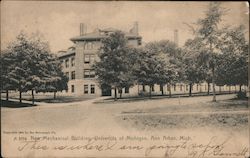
point(43, 104)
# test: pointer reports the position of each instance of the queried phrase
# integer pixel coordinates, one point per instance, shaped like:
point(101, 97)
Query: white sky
point(59, 21)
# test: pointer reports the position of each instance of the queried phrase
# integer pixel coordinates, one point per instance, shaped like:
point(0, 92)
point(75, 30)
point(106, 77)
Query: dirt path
point(88, 119)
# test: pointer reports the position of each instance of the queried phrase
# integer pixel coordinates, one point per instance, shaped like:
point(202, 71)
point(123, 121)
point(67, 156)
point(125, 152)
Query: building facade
point(77, 61)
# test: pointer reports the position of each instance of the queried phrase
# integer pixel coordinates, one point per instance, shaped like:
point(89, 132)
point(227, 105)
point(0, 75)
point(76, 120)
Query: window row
point(73, 75)
point(126, 90)
point(89, 46)
point(66, 64)
point(89, 58)
point(181, 87)
point(88, 89)
point(87, 73)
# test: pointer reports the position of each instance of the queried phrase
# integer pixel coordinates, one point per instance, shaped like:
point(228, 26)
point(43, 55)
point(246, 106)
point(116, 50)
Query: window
point(174, 87)
point(197, 88)
point(153, 88)
point(86, 59)
point(72, 88)
point(73, 75)
point(89, 58)
point(88, 45)
point(126, 89)
point(88, 73)
point(72, 62)
point(67, 63)
point(143, 88)
point(181, 87)
point(139, 42)
point(92, 89)
point(186, 87)
point(92, 74)
point(67, 74)
point(86, 89)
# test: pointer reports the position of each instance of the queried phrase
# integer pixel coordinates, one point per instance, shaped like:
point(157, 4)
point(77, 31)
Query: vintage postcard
point(124, 79)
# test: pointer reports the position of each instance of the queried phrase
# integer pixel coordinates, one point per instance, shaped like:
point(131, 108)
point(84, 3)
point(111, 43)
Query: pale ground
point(196, 117)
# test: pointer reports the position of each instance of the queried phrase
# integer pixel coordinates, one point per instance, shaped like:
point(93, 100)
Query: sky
point(58, 21)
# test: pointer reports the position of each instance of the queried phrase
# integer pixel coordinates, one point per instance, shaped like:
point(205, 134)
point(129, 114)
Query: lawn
point(224, 114)
point(49, 97)
point(14, 104)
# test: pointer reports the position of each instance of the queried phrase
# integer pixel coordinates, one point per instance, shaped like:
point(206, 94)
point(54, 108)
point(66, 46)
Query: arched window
point(85, 46)
point(89, 45)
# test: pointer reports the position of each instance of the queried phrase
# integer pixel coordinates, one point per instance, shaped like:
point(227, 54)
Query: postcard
point(124, 79)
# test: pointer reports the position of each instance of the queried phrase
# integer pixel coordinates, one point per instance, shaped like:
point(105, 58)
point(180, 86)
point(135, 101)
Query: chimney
point(83, 29)
point(135, 28)
point(176, 37)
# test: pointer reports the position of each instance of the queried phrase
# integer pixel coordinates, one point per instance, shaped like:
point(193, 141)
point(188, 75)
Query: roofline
point(99, 38)
point(66, 55)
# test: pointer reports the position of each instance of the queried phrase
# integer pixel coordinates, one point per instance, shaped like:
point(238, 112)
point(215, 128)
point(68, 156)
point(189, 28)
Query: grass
point(49, 98)
point(159, 122)
point(61, 99)
point(200, 115)
point(228, 105)
point(14, 104)
point(156, 97)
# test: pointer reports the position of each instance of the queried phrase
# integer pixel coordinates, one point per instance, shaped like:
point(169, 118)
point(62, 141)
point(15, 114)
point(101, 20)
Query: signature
point(187, 148)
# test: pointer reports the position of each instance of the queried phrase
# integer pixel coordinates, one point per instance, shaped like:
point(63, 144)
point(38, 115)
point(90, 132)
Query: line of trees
point(28, 65)
point(215, 55)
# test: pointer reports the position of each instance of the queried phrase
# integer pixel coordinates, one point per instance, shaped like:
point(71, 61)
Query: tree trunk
point(240, 88)
point(208, 88)
point(20, 96)
point(120, 95)
point(190, 89)
point(33, 98)
point(7, 94)
point(115, 94)
point(54, 95)
point(150, 91)
point(214, 95)
point(169, 88)
point(213, 73)
point(162, 91)
point(138, 89)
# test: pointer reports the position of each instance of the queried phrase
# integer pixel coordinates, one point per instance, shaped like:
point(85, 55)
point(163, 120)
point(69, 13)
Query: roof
point(110, 29)
point(100, 34)
point(66, 53)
